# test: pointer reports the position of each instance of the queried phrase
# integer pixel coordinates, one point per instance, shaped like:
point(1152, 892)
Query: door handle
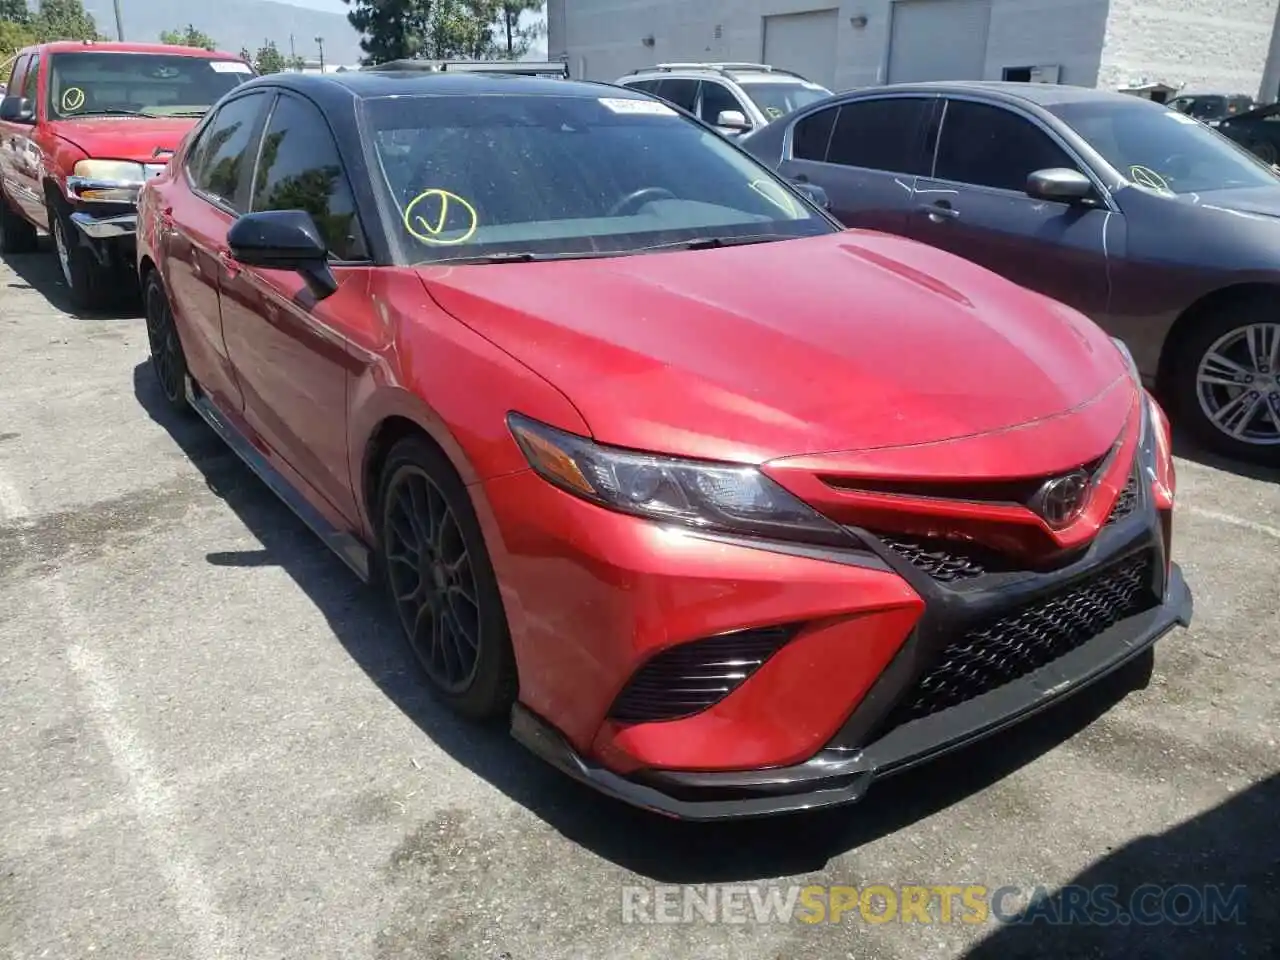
point(940, 211)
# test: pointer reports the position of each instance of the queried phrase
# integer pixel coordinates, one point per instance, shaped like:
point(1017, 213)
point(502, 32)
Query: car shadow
point(1214, 892)
point(649, 845)
point(1186, 447)
point(40, 271)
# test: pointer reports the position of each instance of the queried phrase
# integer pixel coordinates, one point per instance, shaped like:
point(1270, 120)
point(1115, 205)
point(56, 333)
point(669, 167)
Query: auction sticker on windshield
point(649, 107)
point(229, 66)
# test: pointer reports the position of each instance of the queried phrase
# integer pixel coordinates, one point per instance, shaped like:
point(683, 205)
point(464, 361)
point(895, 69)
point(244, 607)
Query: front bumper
point(107, 227)
point(836, 775)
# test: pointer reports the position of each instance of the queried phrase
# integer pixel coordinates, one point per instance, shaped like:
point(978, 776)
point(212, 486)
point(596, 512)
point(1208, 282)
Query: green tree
point(428, 29)
point(188, 37)
point(268, 59)
point(514, 39)
point(245, 55)
point(13, 37)
point(15, 11)
point(64, 20)
point(295, 63)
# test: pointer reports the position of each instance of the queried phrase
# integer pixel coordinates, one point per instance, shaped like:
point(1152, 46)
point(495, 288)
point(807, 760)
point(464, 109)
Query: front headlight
point(1128, 357)
point(705, 496)
point(106, 181)
point(111, 171)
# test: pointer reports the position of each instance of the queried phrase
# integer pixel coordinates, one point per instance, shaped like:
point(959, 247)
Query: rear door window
point(884, 134)
point(681, 91)
point(811, 135)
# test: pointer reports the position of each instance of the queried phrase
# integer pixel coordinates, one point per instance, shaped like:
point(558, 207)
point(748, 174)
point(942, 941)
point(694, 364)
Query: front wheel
point(1227, 381)
point(88, 281)
point(1265, 151)
point(441, 582)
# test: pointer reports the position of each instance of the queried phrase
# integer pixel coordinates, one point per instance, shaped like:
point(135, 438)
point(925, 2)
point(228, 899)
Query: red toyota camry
point(730, 510)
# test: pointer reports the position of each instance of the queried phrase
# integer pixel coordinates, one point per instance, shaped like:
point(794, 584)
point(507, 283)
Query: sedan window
point(1163, 150)
point(568, 175)
point(299, 169)
point(882, 134)
point(990, 146)
point(219, 162)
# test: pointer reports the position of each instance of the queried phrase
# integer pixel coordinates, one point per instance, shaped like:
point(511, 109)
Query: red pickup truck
point(82, 126)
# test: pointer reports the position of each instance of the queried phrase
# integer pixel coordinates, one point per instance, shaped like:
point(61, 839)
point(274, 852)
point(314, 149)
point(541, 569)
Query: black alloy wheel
point(442, 584)
point(167, 359)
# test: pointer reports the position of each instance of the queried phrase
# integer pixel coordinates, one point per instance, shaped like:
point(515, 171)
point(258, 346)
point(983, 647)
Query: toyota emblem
point(1062, 499)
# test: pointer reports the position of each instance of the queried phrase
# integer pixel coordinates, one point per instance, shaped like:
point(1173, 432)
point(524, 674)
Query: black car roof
point(1042, 94)
point(364, 85)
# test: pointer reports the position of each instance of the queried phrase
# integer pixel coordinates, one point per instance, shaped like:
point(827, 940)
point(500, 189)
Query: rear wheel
point(441, 582)
point(1265, 151)
point(167, 359)
point(1226, 380)
point(17, 235)
point(87, 280)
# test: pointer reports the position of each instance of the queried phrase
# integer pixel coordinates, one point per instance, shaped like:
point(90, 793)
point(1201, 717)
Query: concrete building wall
point(1208, 45)
point(1228, 45)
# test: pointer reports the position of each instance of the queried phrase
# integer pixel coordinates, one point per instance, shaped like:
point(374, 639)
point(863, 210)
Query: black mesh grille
point(1127, 502)
point(947, 561)
point(1027, 638)
point(690, 677)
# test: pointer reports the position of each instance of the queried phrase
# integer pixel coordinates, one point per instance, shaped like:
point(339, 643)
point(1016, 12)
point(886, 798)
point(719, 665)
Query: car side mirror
point(284, 240)
point(1060, 184)
point(17, 110)
point(734, 120)
point(814, 193)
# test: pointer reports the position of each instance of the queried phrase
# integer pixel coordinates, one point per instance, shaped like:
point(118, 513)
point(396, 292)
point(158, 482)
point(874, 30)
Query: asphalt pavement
point(213, 743)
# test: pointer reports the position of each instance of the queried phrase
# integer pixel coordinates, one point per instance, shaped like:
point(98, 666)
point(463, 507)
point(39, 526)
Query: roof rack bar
point(718, 67)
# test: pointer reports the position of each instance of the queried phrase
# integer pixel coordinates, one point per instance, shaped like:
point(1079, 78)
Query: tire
point(88, 281)
point(17, 235)
point(168, 361)
point(1265, 151)
point(1218, 348)
point(429, 535)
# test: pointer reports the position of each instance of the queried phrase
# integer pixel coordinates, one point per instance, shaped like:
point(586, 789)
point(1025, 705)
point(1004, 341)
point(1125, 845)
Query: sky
point(337, 6)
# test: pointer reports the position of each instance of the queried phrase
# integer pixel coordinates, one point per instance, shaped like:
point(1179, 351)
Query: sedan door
point(289, 350)
point(976, 205)
point(866, 154)
point(196, 212)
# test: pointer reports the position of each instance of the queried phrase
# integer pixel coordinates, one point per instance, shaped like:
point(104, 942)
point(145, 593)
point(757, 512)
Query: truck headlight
point(106, 181)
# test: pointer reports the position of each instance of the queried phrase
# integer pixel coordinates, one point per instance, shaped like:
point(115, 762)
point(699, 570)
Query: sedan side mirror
point(734, 120)
point(1060, 184)
point(17, 110)
point(815, 194)
point(284, 240)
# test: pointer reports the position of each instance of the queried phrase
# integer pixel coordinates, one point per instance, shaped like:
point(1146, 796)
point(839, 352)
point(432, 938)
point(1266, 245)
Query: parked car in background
point(85, 126)
point(733, 97)
point(1164, 232)
point(524, 68)
point(1211, 108)
point(1257, 131)
point(730, 511)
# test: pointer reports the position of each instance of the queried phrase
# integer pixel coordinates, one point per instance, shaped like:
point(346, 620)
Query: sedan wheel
point(167, 358)
point(442, 584)
point(1229, 382)
point(64, 251)
point(1265, 151)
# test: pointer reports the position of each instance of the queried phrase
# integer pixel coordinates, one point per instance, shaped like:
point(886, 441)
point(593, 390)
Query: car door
point(975, 204)
point(11, 135)
point(195, 215)
point(24, 173)
point(866, 155)
point(288, 348)
point(714, 98)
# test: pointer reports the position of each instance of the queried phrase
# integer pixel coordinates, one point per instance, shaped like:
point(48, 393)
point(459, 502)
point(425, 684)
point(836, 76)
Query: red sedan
point(732, 511)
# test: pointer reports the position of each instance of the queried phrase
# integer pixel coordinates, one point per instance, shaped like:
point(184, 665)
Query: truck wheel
point(87, 280)
point(17, 235)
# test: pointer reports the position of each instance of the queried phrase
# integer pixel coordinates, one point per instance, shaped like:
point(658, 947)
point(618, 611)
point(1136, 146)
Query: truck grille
point(1028, 638)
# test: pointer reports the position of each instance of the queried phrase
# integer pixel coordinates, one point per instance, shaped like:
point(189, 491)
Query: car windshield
point(531, 176)
point(777, 98)
point(138, 84)
point(1160, 149)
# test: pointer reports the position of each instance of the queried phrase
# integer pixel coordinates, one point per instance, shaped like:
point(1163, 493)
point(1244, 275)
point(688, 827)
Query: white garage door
point(938, 40)
point(805, 43)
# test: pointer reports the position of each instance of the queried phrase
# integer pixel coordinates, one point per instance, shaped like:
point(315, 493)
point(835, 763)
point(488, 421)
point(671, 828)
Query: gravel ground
point(214, 745)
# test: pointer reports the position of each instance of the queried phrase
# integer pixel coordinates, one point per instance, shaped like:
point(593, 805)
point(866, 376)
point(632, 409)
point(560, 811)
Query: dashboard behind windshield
point(563, 175)
point(1164, 150)
point(89, 84)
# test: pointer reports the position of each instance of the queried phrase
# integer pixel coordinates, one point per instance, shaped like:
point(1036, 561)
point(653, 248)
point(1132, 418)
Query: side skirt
point(350, 550)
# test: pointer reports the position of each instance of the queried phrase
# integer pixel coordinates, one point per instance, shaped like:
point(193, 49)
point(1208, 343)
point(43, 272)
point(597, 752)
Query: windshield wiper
point(119, 112)
point(708, 243)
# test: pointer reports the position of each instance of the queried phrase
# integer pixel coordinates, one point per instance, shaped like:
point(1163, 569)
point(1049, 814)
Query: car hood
point(142, 139)
point(1263, 201)
point(844, 342)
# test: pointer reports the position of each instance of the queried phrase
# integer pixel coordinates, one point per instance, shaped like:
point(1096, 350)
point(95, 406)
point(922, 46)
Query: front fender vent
point(690, 677)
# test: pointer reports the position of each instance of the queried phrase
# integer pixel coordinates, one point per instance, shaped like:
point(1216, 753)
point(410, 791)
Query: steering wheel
point(632, 202)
